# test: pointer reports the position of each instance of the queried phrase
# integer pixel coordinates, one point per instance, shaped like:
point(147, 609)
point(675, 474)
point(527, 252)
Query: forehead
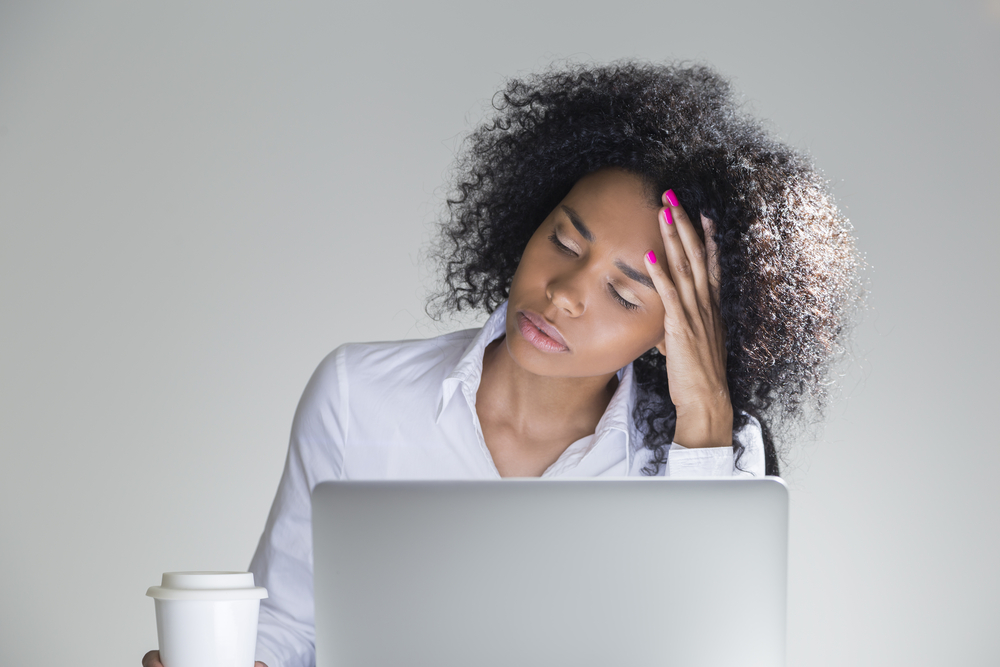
point(615, 203)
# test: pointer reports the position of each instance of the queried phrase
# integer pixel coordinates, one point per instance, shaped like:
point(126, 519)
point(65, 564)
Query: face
point(581, 303)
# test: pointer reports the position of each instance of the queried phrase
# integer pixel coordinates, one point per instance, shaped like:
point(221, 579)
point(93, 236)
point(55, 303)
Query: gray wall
point(198, 201)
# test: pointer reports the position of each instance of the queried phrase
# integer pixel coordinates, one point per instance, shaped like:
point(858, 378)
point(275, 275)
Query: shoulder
point(369, 375)
point(387, 365)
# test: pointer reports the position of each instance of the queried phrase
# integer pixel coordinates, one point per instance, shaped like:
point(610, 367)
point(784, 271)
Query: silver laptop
point(547, 573)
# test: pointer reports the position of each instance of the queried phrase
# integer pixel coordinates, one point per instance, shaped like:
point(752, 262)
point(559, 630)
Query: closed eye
point(562, 246)
point(620, 299)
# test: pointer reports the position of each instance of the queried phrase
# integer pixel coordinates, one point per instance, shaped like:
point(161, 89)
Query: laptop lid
point(542, 573)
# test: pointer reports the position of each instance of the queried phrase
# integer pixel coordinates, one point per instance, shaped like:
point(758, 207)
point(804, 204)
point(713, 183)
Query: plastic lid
point(207, 586)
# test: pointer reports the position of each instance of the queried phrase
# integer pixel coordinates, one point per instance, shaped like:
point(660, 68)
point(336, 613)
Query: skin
point(152, 659)
point(533, 404)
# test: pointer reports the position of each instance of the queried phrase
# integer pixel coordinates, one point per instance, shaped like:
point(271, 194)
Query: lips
point(540, 333)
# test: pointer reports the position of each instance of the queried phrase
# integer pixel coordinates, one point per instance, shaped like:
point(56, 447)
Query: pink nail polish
point(671, 197)
point(651, 256)
point(668, 216)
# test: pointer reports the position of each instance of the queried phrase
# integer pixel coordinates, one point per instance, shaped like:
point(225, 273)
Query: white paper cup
point(207, 619)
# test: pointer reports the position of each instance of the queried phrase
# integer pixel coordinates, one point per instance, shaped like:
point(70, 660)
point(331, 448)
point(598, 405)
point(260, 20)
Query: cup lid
point(207, 586)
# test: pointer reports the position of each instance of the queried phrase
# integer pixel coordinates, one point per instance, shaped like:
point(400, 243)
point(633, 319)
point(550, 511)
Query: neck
point(537, 406)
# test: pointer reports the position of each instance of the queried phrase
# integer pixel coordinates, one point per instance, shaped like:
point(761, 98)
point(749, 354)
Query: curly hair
point(789, 267)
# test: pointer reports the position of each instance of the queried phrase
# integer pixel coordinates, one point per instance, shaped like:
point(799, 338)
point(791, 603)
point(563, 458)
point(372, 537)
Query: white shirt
point(406, 410)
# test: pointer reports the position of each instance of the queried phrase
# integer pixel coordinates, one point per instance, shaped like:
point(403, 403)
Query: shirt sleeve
point(720, 461)
point(283, 562)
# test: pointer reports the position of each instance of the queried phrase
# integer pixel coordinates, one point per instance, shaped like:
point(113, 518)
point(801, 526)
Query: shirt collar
point(469, 369)
point(468, 372)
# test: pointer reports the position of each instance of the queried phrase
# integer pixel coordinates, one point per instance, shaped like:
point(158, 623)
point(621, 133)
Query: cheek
point(649, 335)
point(654, 330)
point(636, 326)
point(627, 336)
point(529, 268)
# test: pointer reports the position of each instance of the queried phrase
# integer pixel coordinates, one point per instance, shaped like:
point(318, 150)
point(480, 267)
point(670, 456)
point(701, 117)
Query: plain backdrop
point(199, 200)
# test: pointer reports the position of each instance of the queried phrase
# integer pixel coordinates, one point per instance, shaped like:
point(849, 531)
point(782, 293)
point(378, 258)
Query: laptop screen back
point(542, 573)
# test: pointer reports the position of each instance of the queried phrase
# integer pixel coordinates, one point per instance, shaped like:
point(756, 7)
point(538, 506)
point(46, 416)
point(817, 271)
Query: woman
point(665, 281)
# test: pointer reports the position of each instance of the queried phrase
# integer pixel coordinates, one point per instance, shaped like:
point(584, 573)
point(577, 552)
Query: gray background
point(199, 200)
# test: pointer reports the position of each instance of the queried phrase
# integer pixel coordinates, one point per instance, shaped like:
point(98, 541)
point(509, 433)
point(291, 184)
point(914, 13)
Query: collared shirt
point(407, 410)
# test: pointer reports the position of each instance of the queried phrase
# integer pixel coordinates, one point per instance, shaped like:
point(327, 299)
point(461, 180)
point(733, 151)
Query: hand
point(152, 659)
point(694, 344)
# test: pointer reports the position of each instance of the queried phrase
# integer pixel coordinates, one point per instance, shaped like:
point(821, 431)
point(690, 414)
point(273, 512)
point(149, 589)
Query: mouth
point(542, 335)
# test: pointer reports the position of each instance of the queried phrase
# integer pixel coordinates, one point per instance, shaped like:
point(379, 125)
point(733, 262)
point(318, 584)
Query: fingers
point(152, 659)
point(665, 287)
point(686, 254)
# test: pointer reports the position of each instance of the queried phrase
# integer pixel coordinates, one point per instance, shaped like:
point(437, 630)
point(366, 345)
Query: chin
point(554, 365)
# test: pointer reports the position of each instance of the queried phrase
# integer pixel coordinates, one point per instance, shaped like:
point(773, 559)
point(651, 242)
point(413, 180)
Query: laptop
point(546, 573)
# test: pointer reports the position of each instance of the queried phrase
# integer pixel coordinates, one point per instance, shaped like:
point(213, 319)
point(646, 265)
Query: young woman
point(664, 280)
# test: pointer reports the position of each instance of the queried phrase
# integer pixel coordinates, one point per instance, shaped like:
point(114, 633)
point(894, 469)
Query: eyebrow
point(574, 217)
point(635, 275)
point(642, 278)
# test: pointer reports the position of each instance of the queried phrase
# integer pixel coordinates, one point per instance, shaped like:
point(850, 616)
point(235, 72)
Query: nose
point(566, 293)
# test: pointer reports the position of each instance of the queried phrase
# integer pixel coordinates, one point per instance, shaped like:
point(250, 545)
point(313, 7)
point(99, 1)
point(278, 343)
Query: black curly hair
point(789, 267)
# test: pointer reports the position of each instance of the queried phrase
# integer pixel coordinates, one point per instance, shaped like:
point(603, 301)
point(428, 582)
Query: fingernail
point(671, 197)
point(651, 256)
point(668, 216)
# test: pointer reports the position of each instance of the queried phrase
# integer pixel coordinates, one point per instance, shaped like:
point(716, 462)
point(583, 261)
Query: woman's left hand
point(694, 343)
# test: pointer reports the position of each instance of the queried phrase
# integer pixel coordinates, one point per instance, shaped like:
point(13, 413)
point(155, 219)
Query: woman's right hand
point(152, 659)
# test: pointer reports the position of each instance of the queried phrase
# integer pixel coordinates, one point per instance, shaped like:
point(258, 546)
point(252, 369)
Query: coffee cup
point(207, 619)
